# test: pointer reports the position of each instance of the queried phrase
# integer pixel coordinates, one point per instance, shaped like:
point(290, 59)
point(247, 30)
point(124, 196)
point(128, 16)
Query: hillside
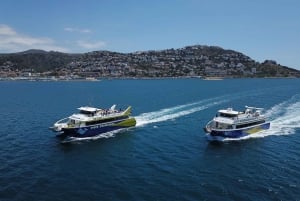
point(188, 61)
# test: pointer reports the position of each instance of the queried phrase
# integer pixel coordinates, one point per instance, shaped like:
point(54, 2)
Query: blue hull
point(237, 133)
point(94, 130)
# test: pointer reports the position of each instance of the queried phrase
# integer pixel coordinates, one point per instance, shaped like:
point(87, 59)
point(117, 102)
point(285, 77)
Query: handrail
point(248, 119)
point(61, 120)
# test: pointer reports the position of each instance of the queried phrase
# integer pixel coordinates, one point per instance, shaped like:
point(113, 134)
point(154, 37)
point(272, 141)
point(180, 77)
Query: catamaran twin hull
point(237, 133)
point(94, 130)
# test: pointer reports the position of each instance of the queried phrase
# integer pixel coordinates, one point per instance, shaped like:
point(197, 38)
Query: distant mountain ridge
point(197, 60)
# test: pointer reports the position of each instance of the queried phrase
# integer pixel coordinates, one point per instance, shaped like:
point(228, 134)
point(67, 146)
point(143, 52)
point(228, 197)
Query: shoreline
point(89, 79)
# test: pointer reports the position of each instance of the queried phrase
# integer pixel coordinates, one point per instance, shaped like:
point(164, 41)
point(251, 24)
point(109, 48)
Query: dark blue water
point(166, 157)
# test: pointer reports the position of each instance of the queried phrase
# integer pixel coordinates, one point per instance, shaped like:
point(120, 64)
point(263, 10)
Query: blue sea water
point(166, 157)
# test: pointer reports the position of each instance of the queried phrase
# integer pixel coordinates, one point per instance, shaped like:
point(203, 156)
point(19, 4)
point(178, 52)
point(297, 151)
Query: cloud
point(70, 29)
point(6, 30)
point(11, 41)
point(91, 45)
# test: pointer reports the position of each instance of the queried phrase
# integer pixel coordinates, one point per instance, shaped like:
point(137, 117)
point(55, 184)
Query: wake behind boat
point(234, 124)
point(91, 121)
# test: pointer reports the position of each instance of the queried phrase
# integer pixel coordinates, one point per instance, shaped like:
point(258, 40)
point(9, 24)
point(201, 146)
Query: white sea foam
point(175, 112)
point(103, 135)
point(287, 122)
point(186, 109)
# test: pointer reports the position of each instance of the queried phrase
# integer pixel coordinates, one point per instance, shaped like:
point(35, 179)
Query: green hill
point(195, 60)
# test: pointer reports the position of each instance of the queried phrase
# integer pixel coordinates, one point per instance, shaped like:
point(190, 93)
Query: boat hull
point(94, 130)
point(237, 133)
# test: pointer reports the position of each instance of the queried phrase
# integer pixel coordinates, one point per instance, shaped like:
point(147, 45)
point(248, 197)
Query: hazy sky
point(261, 29)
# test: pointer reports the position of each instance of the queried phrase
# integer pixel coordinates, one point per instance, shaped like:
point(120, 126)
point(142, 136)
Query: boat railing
point(64, 120)
point(208, 127)
point(108, 113)
point(59, 125)
point(250, 118)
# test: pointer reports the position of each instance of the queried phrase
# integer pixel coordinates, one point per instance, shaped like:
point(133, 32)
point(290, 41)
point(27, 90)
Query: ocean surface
point(166, 157)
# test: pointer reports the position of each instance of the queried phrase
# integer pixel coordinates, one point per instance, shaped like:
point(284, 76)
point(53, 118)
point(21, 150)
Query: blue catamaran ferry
point(229, 123)
point(91, 122)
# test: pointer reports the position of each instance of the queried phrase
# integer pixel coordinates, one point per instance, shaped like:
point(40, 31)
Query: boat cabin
point(248, 112)
point(229, 113)
point(89, 111)
point(230, 119)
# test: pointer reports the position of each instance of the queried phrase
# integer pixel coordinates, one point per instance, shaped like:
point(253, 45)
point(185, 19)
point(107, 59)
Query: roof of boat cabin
point(88, 109)
point(229, 111)
point(223, 120)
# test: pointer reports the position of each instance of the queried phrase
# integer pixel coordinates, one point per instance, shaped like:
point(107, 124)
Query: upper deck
point(231, 117)
point(91, 113)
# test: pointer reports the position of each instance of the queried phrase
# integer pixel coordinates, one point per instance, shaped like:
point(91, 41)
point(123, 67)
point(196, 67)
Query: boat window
point(250, 124)
point(227, 115)
point(87, 113)
point(71, 122)
point(106, 120)
point(223, 126)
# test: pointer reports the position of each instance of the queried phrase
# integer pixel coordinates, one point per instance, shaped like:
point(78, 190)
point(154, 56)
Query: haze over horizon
point(260, 30)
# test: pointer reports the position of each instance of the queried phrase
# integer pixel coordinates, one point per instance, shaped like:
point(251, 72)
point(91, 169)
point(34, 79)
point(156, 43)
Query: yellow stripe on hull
point(254, 130)
point(127, 123)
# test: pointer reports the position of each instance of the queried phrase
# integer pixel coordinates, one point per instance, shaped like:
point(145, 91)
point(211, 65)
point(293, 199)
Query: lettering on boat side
point(82, 131)
point(101, 125)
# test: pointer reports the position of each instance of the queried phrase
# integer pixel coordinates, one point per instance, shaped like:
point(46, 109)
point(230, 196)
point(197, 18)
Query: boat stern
point(130, 122)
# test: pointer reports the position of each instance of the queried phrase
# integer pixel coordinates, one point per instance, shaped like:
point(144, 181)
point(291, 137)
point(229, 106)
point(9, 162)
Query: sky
point(260, 29)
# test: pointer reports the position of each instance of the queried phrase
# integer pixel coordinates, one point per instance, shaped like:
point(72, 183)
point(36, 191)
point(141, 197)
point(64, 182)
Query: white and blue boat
point(91, 122)
point(229, 123)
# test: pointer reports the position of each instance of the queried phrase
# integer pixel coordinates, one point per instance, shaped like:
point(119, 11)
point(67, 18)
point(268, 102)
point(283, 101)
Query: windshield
point(227, 115)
